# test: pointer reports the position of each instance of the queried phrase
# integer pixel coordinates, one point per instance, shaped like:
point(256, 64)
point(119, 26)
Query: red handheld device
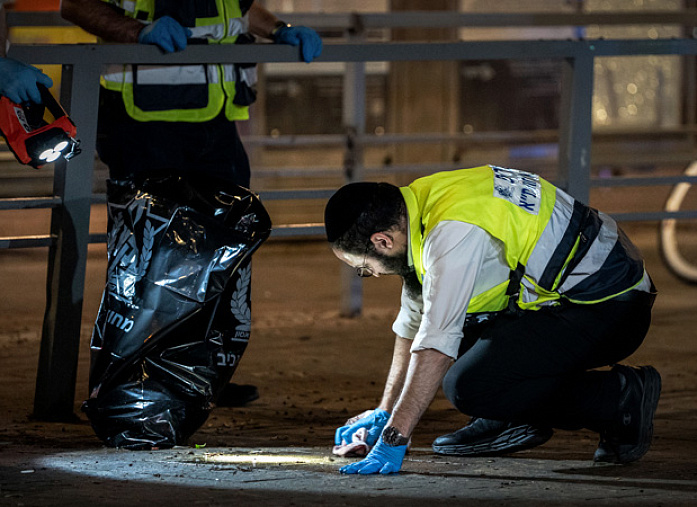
point(32, 140)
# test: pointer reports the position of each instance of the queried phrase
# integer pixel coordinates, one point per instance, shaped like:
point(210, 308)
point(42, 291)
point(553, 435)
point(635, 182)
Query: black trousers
point(135, 150)
point(534, 367)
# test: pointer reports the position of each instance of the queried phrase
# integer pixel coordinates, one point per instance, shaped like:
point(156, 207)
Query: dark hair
point(359, 210)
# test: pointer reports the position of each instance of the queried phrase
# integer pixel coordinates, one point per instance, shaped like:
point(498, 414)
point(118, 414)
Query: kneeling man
point(513, 293)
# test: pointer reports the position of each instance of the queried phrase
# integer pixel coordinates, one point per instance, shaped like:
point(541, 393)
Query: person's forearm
point(3, 32)
point(398, 372)
point(98, 18)
point(261, 22)
point(426, 371)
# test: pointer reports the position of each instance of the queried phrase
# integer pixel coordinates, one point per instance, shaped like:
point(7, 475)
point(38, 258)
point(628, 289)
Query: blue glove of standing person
point(382, 459)
point(18, 81)
point(373, 421)
point(309, 41)
point(165, 33)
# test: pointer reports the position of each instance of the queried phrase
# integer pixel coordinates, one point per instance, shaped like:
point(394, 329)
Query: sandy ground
point(314, 369)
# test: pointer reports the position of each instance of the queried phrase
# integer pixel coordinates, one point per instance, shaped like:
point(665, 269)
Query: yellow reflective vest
point(557, 246)
point(187, 93)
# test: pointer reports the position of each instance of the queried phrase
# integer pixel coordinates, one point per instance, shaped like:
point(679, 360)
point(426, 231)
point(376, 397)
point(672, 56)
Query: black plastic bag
point(175, 316)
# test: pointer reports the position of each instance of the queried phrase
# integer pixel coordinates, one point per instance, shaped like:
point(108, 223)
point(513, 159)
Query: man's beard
point(399, 265)
point(412, 284)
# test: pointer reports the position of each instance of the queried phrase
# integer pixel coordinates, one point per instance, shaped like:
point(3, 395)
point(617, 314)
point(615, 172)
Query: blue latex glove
point(374, 422)
point(18, 81)
point(309, 41)
point(382, 459)
point(165, 33)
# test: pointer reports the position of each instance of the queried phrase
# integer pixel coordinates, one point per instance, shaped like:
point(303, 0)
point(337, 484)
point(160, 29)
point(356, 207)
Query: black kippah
point(345, 206)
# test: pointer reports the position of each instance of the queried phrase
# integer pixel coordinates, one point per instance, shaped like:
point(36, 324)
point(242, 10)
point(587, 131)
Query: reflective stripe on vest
point(190, 93)
point(157, 74)
point(566, 248)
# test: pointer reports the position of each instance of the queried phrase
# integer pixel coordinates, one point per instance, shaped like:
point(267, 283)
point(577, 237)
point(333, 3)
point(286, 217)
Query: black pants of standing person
point(533, 367)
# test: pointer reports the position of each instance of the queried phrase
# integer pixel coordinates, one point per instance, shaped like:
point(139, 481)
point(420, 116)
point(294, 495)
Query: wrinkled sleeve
point(409, 319)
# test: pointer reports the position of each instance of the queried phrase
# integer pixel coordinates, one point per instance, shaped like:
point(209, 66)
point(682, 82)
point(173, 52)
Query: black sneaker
point(237, 395)
point(486, 437)
point(630, 437)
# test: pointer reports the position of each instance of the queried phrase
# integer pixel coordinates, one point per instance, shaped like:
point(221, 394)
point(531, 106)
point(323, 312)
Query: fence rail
point(358, 21)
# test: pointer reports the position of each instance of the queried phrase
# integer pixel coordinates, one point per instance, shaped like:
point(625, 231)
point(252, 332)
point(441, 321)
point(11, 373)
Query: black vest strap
point(512, 292)
point(514, 287)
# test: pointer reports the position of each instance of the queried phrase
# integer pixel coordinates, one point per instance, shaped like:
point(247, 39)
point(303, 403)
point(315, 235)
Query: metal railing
point(357, 22)
point(81, 65)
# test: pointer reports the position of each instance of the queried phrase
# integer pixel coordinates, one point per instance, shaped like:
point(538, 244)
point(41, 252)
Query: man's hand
point(373, 421)
point(382, 459)
point(165, 33)
point(18, 81)
point(309, 41)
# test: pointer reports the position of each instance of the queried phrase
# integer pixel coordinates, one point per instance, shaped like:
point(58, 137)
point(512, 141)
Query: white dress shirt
point(461, 260)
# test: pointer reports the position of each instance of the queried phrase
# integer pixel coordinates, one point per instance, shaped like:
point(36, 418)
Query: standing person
point(181, 120)
point(18, 80)
point(512, 292)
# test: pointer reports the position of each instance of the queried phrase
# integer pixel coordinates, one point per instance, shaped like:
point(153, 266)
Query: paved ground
point(315, 369)
point(307, 476)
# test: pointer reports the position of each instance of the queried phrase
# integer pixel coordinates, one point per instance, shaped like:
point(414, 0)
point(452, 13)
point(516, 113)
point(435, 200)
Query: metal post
point(60, 341)
point(689, 66)
point(576, 123)
point(354, 122)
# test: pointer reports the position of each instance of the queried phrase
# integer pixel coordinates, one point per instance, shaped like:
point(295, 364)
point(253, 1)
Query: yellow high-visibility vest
point(563, 248)
point(186, 93)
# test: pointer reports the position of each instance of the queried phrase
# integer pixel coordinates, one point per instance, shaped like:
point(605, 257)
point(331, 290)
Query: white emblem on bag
point(129, 261)
point(518, 187)
point(238, 303)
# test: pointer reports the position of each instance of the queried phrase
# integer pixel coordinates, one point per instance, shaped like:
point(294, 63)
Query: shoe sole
point(510, 441)
point(649, 404)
